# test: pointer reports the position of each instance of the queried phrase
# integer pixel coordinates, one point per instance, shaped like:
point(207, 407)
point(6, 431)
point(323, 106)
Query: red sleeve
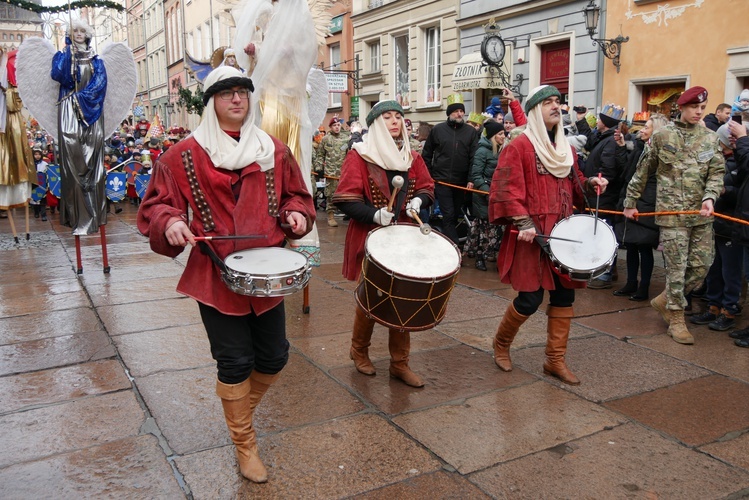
point(508, 189)
point(161, 202)
point(294, 194)
point(518, 114)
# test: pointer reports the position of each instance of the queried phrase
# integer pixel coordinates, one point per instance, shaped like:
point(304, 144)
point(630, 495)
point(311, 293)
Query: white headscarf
point(254, 145)
point(378, 147)
point(556, 158)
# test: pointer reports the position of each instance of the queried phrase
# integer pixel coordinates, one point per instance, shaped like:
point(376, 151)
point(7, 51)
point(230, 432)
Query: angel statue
point(75, 103)
point(292, 95)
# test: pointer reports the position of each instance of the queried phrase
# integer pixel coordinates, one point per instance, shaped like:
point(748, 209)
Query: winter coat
point(603, 159)
point(482, 170)
point(448, 152)
point(711, 122)
point(642, 231)
point(741, 156)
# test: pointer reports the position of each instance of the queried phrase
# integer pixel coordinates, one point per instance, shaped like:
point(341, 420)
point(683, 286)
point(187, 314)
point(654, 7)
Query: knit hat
point(724, 134)
point(454, 103)
point(538, 95)
point(492, 128)
point(693, 95)
point(496, 102)
point(382, 107)
point(509, 117)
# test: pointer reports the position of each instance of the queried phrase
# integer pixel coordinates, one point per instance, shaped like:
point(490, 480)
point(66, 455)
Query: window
point(433, 65)
point(402, 76)
point(180, 55)
point(216, 30)
point(374, 56)
point(335, 60)
point(198, 43)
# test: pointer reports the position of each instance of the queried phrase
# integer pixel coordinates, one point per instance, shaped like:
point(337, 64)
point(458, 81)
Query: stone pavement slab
point(334, 459)
point(611, 369)
point(56, 351)
point(133, 467)
point(155, 315)
point(42, 324)
point(695, 412)
point(627, 461)
point(70, 426)
point(440, 485)
point(504, 425)
point(27, 390)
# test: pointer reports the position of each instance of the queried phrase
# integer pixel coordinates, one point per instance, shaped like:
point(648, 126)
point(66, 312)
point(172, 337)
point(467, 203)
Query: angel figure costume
point(292, 97)
point(17, 171)
point(86, 114)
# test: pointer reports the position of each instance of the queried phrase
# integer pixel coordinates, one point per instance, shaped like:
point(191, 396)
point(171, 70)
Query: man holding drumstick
point(237, 180)
point(539, 161)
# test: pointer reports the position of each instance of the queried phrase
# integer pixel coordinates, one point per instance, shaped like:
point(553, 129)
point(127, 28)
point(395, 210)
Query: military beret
point(383, 107)
point(693, 95)
point(333, 121)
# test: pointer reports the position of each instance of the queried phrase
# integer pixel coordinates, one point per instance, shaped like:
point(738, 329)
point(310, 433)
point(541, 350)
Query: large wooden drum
point(407, 277)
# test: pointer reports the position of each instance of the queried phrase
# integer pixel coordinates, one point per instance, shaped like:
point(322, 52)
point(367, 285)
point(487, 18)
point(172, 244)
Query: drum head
point(404, 250)
point(265, 261)
point(595, 251)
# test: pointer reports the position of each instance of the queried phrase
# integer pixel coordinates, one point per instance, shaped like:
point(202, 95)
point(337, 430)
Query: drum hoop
point(284, 274)
point(407, 277)
point(566, 269)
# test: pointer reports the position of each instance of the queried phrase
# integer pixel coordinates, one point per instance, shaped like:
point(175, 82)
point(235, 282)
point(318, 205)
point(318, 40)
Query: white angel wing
point(122, 83)
point(317, 89)
point(322, 17)
point(38, 91)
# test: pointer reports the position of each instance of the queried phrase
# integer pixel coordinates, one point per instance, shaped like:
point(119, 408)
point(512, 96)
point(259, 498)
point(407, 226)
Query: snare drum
point(586, 260)
point(407, 277)
point(266, 272)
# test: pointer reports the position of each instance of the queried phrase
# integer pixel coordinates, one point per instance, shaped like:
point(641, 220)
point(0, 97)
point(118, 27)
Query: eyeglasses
point(228, 95)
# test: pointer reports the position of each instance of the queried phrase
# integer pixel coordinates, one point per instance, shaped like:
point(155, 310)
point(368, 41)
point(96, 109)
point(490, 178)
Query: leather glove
point(414, 204)
point(383, 217)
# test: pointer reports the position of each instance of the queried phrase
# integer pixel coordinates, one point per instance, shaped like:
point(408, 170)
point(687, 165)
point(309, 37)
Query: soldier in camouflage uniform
point(689, 168)
point(328, 161)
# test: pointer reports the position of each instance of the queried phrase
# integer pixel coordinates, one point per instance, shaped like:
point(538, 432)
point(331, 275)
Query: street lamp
point(612, 48)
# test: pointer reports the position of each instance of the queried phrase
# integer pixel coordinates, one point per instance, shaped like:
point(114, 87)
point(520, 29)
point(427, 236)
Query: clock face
point(493, 49)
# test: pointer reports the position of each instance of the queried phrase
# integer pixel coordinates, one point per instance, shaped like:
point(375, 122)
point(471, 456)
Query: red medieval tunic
point(521, 186)
point(366, 182)
point(262, 202)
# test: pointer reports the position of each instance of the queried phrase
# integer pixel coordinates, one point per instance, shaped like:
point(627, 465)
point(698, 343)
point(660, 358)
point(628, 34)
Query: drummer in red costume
point(237, 180)
point(535, 185)
point(363, 194)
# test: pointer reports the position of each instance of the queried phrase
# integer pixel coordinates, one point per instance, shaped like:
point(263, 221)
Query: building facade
point(17, 24)
point(675, 46)
point(407, 51)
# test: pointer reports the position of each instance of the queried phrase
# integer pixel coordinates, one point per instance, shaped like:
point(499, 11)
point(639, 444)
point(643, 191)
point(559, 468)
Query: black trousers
point(526, 303)
point(240, 344)
point(451, 200)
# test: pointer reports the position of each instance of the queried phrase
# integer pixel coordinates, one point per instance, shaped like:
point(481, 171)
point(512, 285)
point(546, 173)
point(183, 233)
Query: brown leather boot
point(558, 328)
point(508, 328)
point(659, 304)
point(400, 348)
point(235, 398)
point(677, 328)
point(360, 341)
point(331, 220)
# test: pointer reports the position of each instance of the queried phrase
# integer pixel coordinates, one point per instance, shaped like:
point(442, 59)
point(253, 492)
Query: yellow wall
point(693, 44)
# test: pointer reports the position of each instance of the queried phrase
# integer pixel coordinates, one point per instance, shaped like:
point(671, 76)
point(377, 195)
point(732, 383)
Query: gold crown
point(478, 118)
point(615, 112)
point(454, 99)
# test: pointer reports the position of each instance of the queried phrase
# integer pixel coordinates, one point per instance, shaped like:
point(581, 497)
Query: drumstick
point(424, 228)
point(231, 237)
point(397, 184)
point(598, 198)
point(549, 237)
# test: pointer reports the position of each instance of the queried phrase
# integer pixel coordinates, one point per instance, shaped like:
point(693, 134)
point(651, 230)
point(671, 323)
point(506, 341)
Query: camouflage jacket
point(689, 169)
point(330, 154)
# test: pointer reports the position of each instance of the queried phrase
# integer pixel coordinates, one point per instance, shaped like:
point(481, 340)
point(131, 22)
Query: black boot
point(44, 213)
point(642, 294)
point(480, 265)
point(36, 211)
point(628, 289)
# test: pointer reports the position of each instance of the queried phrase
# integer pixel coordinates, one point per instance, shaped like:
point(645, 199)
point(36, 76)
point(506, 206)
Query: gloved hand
point(414, 204)
point(383, 217)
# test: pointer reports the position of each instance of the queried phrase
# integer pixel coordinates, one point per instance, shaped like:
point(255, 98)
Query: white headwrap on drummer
point(254, 145)
point(379, 147)
point(557, 157)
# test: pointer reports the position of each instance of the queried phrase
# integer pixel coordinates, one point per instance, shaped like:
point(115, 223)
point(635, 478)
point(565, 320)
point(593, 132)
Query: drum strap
point(206, 249)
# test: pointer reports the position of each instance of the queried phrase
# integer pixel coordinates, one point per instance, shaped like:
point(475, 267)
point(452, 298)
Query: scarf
point(254, 144)
point(557, 159)
point(379, 147)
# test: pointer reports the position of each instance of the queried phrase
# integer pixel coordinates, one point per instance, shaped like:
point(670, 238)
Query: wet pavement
point(107, 390)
